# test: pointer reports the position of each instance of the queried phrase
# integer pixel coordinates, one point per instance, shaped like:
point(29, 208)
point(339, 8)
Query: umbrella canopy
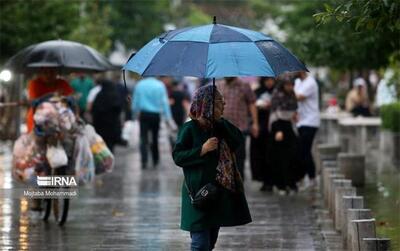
point(213, 51)
point(65, 56)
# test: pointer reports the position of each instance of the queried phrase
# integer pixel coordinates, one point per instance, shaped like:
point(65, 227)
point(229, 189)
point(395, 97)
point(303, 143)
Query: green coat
point(230, 209)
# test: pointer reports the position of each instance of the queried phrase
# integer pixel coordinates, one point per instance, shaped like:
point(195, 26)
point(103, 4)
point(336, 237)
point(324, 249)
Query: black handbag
point(205, 197)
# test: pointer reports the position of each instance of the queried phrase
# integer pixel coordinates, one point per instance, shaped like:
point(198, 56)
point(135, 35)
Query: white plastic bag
point(130, 129)
point(83, 161)
point(56, 156)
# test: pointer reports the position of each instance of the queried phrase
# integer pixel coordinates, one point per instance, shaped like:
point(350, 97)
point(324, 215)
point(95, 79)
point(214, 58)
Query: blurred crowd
point(279, 116)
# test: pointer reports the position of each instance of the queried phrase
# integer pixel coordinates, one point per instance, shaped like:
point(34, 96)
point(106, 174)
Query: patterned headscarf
point(202, 107)
point(202, 104)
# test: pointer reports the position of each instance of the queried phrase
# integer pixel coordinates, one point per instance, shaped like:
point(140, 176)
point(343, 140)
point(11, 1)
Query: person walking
point(106, 111)
point(240, 99)
point(82, 84)
point(205, 150)
point(179, 100)
point(258, 146)
point(306, 89)
point(283, 152)
point(150, 101)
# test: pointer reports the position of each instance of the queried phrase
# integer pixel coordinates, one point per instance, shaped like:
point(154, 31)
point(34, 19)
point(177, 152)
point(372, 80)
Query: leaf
point(339, 18)
point(397, 25)
point(318, 16)
point(328, 8)
point(370, 24)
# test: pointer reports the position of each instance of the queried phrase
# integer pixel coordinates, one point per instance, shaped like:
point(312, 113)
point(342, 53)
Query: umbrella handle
point(128, 98)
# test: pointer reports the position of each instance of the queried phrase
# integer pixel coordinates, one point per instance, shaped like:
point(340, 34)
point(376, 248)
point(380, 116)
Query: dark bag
point(205, 197)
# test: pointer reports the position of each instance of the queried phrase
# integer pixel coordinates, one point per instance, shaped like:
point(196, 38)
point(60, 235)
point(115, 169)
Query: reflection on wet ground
point(134, 209)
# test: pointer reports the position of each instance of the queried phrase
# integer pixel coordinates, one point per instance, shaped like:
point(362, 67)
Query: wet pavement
point(134, 209)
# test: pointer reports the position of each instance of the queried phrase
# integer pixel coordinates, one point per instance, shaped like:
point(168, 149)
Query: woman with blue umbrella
point(212, 191)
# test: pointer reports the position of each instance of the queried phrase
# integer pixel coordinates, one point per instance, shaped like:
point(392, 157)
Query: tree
point(134, 23)
point(27, 22)
point(380, 18)
point(93, 27)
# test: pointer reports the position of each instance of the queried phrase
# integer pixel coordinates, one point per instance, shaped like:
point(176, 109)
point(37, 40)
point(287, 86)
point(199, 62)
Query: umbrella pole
point(128, 97)
point(213, 106)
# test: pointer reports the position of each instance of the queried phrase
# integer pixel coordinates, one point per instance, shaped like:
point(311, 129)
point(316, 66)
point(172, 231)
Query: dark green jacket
point(231, 208)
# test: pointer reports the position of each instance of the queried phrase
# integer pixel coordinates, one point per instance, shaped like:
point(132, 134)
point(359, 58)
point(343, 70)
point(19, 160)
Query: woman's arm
point(184, 154)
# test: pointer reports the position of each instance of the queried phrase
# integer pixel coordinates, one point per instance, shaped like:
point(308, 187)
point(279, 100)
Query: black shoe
point(122, 142)
point(144, 166)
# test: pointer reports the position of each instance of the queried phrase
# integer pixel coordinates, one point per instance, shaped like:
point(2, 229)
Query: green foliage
point(377, 21)
point(27, 22)
point(197, 17)
point(93, 28)
point(395, 66)
point(381, 16)
point(135, 23)
point(334, 44)
point(390, 115)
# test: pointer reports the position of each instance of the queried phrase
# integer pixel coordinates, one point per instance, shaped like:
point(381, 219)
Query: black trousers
point(306, 137)
point(149, 123)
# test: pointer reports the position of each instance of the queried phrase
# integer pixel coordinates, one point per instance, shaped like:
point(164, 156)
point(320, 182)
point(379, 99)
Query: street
point(134, 209)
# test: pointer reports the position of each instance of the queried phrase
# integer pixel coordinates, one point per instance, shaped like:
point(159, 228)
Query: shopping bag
point(103, 157)
point(82, 160)
point(56, 156)
point(130, 129)
point(29, 159)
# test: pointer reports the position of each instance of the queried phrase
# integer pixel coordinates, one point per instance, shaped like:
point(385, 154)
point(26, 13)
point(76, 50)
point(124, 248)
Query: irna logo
point(56, 181)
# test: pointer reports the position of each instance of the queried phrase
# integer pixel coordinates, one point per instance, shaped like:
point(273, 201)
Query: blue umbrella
point(213, 51)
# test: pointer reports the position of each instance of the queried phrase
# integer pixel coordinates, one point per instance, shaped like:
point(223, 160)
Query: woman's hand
point(279, 136)
point(210, 145)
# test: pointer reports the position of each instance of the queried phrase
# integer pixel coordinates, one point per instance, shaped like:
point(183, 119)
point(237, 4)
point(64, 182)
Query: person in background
point(123, 93)
point(283, 150)
point(150, 101)
point(240, 99)
point(178, 100)
point(385, 93)
point(258, 146)
point(357, 99)
point(126, 113)
point(92, 95)
point(82, 84)
point(106, 111)
point(333, 106)
point(306, 89)
point(45, 82)
point(205, 151)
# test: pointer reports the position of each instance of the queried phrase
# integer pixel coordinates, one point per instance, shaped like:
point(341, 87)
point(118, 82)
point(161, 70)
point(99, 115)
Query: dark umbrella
point(64, 56)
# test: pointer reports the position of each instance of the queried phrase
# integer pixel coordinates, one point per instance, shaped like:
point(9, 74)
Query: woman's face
point(288, 87)
point(219, 107)
point(269, 83)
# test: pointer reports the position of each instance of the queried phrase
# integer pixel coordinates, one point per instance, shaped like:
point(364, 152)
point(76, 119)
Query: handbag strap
point(189, 192)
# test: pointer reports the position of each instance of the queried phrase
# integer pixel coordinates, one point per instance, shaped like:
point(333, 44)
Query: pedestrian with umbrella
point(50, 59)
point(212, 195)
